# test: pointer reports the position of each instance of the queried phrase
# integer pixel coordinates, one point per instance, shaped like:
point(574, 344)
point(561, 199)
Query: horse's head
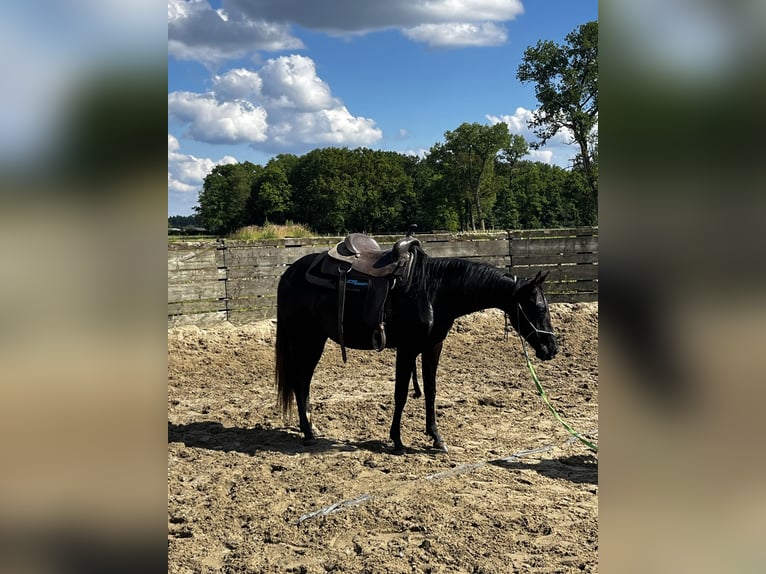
point(531, 317)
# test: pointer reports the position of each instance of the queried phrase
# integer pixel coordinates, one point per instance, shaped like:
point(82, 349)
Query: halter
point(535, 330)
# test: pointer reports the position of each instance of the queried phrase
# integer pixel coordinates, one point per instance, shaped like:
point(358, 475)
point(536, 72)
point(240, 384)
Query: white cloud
point(198, 32)
point(336, 127)
point(458, 34)
point(517, 123)
point(238, 84)
point(542, 155)
point(283, 107)
point(186, 174)
point(291, 82)
point(214, 121)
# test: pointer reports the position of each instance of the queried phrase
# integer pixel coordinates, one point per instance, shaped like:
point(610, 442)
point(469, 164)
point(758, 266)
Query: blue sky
point(248, 79)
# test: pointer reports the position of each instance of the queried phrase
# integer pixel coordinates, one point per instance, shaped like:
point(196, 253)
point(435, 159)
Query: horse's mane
point(435, 272)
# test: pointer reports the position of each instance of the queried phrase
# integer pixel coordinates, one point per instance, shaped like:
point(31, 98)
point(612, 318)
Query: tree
point(271, 198)
point(566, 85)
point(515, 150)
point(224, 196)
point(467, 162)
point(324, 189)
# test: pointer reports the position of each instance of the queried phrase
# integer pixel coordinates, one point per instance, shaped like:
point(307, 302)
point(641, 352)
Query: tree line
point(477, 178)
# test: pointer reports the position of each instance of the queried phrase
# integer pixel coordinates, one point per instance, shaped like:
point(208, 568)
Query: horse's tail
point(285, 396)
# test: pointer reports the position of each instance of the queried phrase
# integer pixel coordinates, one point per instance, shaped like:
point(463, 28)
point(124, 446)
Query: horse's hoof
point(441, 447)
point(399, 450)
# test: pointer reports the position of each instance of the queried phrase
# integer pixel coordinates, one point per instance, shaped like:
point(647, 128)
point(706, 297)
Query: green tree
point(505, 213)
point(566, 85)
point(224, 197)
point(466, 160)
point(515, 150)
point(541, 195)
point(385, 188)
point(271, 198)
point(443, 205)
point(324, 188)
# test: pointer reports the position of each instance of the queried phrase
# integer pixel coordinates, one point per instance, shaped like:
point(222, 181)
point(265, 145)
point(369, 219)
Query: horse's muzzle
point(547, 352)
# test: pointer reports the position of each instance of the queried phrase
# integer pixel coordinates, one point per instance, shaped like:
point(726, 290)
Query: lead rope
point(539, 386)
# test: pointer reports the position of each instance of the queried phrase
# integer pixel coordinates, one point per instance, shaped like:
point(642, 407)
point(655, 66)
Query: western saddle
point(359, 264)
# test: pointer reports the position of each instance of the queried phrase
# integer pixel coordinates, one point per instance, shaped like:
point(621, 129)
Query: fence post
point(222, 248)
point(510, 249)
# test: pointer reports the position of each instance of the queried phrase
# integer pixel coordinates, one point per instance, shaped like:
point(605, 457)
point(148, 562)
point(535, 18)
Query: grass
point(271, 231)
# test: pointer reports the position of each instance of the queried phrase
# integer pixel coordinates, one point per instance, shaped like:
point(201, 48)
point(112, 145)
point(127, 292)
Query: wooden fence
point(214, 281)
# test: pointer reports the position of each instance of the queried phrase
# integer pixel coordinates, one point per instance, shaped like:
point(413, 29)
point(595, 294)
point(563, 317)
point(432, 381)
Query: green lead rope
point(540, 389)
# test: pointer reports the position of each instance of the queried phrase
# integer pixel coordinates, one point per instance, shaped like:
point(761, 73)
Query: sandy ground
point(242, 487)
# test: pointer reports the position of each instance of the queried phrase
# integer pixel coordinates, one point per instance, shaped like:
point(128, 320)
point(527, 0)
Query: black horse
point(418, 320)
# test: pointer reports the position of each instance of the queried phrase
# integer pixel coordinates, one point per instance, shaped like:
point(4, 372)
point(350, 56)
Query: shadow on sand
point(581, 468)
point(214, 436)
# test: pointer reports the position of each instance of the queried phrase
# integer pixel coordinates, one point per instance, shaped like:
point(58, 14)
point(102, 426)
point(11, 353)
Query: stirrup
point(379, 337)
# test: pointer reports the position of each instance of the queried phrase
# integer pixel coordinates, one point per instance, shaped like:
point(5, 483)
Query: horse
point(418, 319)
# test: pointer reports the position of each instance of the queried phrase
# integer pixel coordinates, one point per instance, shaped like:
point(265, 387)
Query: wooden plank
point(195, 275)
point(251, 272)
point(250, 256)
point(252, 287)
point(252, 315)
point(571, 287)
point(468, 249)
point(553, 246)
point(558, 272)
point(196, 306)
point(572, 298)
point(522, 260)
point(198, 319)
point(320, 243)
point(180, 259)
point(556, 232)
point(435, 238)
point(255, 302)
point(191, 245)
point(285, 243)
point(191, 291)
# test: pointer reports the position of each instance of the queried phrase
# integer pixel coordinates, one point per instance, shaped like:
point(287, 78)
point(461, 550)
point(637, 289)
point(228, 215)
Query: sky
point(250, 79)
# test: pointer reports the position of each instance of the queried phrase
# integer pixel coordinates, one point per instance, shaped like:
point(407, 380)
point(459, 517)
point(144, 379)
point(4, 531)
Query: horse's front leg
point(405, 364)
point(430, 363)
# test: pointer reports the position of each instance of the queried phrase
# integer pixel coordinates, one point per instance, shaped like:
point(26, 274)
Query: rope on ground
point(335, 507)
point(460, 469)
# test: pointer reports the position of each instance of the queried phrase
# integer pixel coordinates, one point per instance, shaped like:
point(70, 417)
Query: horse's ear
point(540, 277)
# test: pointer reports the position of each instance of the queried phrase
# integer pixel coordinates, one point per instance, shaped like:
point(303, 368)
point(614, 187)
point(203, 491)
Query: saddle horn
point(404, 246)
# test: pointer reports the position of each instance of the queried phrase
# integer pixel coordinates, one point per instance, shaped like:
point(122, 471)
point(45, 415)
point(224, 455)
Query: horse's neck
point(466, 287)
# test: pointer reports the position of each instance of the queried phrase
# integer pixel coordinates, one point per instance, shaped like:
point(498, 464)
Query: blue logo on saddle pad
point(356, 283)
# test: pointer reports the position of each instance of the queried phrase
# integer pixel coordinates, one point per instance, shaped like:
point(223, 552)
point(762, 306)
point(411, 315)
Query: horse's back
point(295, 275)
